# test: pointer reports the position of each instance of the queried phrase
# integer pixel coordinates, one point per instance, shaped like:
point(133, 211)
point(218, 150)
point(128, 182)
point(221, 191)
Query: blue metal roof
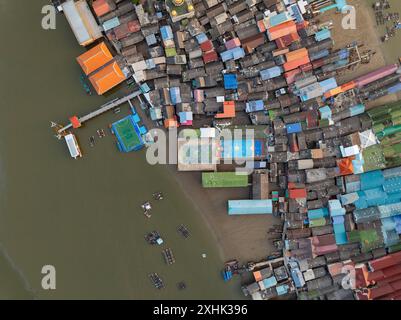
point(245, 207)
point(175, 95)
point(166, 32)
point(232, 54)
point(328, 84)
point(201, 37)
point(294, 128)
point(255, 105)
point(230, 81)
point(271, 73)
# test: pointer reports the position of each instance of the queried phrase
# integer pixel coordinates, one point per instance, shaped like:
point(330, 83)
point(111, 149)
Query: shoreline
point(231, 234)
point(366, 33)
point(245, 237)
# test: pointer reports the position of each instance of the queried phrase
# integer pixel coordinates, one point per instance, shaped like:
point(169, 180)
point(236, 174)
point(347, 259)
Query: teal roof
point(244, 207)
point(110, 24)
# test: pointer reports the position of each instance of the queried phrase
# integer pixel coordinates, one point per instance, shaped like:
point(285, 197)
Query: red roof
point(75, 122)
point(285, 41)
point(210, 56)
point(311, 120)
point(233, 43)
point(385, 276)
point(385, 261)
point(261, 26)
point(392, 296)
point(377, 292)
point(302, 25)
point(134, 26)
point(306, 67)
point(249, 44)
point(290, 75)
point(297, 193)
point(206, 46)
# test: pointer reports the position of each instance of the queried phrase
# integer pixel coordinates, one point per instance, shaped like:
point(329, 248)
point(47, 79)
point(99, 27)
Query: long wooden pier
point(104, 108)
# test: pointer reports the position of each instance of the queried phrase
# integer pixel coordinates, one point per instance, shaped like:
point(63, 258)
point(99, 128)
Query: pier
point(104, 108)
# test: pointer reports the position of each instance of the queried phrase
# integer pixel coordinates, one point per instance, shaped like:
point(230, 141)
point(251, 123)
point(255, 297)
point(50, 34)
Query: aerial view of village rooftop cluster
point(202, 150)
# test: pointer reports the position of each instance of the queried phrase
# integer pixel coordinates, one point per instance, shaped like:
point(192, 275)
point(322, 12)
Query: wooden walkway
point(104, 108)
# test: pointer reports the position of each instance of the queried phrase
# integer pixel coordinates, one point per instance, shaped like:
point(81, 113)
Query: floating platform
point(168, 256)
point(154, 238)
point(129, 137)
point(73, 146)
point(183, 231)
point(156, 280)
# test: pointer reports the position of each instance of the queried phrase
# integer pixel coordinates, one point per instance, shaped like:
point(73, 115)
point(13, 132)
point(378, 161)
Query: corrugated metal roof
point(240, 207)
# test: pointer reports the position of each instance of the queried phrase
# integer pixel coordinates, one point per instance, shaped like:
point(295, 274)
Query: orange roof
point(291, 65)
point(170, 123)
point(345, 165)
point(75, 122)
point(348, 86)
point(257, 275)
point(282, 30)
point(296, 54)
point(101, 7)
point(333, 92)
point(229, 110)
point(94, 58)
point(107, 78)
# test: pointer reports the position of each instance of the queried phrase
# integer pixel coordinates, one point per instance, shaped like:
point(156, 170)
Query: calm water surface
point(82, 216)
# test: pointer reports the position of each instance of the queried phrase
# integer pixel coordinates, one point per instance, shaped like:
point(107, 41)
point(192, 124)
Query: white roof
point(139, 66)
point(349, 151)
point(75, 21)
point(208, 132)
point(368, 138)
point(72, 145)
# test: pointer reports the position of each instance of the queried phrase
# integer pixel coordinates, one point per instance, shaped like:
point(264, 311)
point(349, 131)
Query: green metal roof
point(224, 180)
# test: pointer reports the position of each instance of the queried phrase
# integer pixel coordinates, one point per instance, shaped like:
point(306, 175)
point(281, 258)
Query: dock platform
point(104, 108)
point(168, 256)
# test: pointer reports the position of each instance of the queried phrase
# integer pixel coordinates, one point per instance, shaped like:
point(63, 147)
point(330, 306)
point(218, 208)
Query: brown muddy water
point(83, 217)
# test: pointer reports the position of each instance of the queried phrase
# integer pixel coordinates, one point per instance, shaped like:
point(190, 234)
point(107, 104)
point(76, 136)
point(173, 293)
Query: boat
point(183, 231)
point(168, 256)
point(154, 238)
point(227, 274)
point(181, 285)
point(146, 209)
point(117, 110)
point(85, 85)
point(156, 280)
point(158, 196)
point(92, 141)
point(230, 268)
